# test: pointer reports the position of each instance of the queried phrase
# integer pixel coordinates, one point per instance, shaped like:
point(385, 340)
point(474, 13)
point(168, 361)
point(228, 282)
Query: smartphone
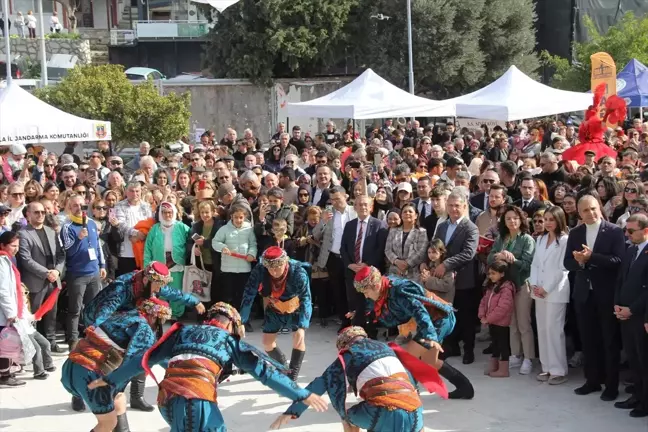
point(195, 237)
point(329, 208)
point(201, 185)
point(111, 213)
point(377, 159)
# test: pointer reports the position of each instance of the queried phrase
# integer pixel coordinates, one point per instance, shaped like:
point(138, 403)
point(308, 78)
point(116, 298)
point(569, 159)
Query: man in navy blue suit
point(594, 252)
point(363, 244)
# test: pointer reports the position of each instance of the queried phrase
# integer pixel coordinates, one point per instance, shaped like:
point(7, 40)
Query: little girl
point(496, 310)
point(443, 287)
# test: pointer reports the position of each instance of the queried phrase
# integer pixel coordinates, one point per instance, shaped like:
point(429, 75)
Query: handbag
point(197, 280)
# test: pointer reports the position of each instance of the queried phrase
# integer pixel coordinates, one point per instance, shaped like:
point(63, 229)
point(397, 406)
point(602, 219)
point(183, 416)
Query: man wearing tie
point(527, 203)
point(594, 252)
point(630, 309)
point(363, 244)
point(423, 203)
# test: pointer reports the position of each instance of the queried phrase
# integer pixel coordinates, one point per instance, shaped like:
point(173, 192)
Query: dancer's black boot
point(77, 404)
point(296, 359)
point(138, 384)
point(122, 424)
point(464, 389)
point(277, 355)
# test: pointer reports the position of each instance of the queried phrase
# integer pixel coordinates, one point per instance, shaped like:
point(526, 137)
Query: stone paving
point(516, 404)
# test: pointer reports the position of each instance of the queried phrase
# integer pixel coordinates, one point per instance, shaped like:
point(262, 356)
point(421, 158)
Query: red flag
point(421, 371)
point(48, 304)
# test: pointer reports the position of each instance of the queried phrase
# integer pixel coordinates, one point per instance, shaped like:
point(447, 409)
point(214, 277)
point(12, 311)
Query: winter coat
point(498, 307)
point(239, 240)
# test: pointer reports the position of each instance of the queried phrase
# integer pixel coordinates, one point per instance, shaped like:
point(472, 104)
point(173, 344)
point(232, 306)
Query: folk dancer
point(384, 375)
point(123, 294)
point(284, 285)
point(118, 342)
point(196, 356)
point(424, 319)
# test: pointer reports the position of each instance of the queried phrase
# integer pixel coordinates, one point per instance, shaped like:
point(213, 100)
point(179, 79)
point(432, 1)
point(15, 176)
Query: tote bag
point(197, 280)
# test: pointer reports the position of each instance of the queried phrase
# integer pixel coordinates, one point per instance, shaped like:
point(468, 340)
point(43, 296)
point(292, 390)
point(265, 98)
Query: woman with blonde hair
point(33, 191)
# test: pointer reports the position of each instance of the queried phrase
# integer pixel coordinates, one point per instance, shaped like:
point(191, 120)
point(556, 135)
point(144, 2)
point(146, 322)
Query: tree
point(261, 39)
point(624, 41)
point(136, 112)
point(71, 8)
point(458, 45)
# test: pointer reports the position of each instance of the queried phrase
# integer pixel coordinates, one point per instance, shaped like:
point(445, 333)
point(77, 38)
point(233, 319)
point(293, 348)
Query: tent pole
point(5, 12)
point(44, 79)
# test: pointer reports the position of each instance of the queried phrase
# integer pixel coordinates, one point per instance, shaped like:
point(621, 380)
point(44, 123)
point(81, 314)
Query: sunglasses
point(195, 160)
point(290, 162)
point(17, 194)
point(630, 190)
point(174, 168)
point(101, 208)
point(39, 212)
point(48, 165)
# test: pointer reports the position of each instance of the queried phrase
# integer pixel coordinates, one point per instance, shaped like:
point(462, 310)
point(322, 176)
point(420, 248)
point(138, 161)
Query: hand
point(401, 264)
point(52, 275)
point(113, 221)
point(350, 315)
point(83, 233)
point(439, 271)
point(102, 273)
point(507, 256)
point(200, 308)
point(263, 210)
point(250, 258)
point(624, 313)
point(646, 327)
point(226, 251)
point(316, 402)
point(312, 241)
point(200, 241)
point(97, 383)
point(578, 256)
point(197, 252)
point(539, 292)
point(425, 275)
point(483, 320)
point(433, 345)
point(140, 236)
point(10, 321)
point(327, 216)
point(282, 420)
point(356, 267)
point(587, 253)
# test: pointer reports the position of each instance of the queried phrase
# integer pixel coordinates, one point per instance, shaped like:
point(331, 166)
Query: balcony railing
point(171, 29)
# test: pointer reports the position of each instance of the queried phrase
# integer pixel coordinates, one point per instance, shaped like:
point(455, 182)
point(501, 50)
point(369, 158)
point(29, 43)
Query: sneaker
point(576, 360)
point(9, 381)
point(515, 362)
point(543, 377)
point(557, 380)
point(526, 368)
point(41, 376)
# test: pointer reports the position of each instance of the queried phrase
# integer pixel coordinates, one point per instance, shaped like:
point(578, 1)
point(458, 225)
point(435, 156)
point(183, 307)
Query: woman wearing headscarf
point(166, 243)
point(304, 198)
point(382, 203)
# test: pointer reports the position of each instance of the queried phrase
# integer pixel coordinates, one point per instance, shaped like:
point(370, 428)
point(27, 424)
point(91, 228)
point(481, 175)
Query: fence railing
point(122, 37)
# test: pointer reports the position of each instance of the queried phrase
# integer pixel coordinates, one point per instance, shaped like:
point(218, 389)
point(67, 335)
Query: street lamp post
point(409, 46)
point(5, 11)
point(44, 79)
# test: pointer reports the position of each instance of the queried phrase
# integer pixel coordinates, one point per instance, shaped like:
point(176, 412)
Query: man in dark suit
point(594, 251)
point(488, 178)
point(630, 309)
point(423, 203)
point(363, 244)
point(527, 203)
point(41, 260)
point(461, 238)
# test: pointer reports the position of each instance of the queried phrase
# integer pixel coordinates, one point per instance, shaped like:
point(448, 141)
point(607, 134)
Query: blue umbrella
point(632, 84)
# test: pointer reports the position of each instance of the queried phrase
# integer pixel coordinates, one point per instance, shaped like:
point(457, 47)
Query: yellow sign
point(604, 71)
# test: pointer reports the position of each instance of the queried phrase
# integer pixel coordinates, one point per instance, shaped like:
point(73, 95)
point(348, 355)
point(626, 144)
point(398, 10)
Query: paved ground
point(516, 404)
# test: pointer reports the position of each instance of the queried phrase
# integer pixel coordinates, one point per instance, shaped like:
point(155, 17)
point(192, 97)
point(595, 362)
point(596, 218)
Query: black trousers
point(466, 302)
point(125, 265)
point(337, 284)
point(599, 330)
point(46, 326)
point(635, 344)
point(320, 292)
point(500, 341)
point(231, 288)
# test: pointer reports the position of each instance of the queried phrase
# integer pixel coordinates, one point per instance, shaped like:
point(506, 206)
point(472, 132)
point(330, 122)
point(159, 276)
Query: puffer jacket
point(498, 307)
point(238, 240)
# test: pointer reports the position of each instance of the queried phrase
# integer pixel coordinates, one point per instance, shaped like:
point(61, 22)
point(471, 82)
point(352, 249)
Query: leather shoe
point(609, 395)
point(629, 403)
point(639, 412)
point(587, 388)
point(488, 349)
point(468, 357)
point(630, 389)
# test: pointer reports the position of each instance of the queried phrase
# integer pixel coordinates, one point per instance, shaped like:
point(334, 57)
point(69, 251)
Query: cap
point(225, 189)
point(454, 162)
point(18, 149)
point(4, 209)
point(198, 169)
point(590, 153)
point(274, 256)
point(227, 158)
point(404, 186)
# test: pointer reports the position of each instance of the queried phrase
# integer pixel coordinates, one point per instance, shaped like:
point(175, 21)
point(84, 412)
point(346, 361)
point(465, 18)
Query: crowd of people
point(544, 255)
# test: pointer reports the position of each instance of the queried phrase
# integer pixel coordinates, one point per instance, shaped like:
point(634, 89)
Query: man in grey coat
point(41, 260)
point(461, 238)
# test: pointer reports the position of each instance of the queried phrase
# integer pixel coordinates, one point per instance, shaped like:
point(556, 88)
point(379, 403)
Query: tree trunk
point(72, 18)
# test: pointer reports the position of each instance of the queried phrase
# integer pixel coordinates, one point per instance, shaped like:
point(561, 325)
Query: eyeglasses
point(116, 162)
point(39, 212)
point(17, 194)
point(195, 160)
point(632, 230)
point(630, 190)
point(103, 208)
point(490, 181)
point(48, 165)
point(289, 162)
point(304, 195)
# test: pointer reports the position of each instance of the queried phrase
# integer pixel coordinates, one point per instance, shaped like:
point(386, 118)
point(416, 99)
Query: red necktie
point(358, 243)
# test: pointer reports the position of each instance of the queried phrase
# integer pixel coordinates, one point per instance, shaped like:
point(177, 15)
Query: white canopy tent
point(25, 119)
point(220, 5)
point(515, 96)
point(368, 97)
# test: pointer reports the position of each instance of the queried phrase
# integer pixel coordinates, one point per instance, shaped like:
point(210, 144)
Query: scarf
point(20, 300)
point(167, 206)
point(378, 304)
point(279, 285)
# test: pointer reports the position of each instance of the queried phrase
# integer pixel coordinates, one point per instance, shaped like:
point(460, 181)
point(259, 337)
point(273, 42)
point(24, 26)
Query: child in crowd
point(495, 310)
point(443, 287)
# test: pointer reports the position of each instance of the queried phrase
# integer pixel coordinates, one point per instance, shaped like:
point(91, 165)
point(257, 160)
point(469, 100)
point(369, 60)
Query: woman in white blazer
point(550, 290)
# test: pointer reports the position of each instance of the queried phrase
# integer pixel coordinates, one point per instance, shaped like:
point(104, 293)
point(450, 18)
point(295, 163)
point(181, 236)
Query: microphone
point(85, 220)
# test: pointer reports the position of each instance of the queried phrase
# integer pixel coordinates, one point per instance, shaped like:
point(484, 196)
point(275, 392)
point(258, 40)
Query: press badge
point(92, 254)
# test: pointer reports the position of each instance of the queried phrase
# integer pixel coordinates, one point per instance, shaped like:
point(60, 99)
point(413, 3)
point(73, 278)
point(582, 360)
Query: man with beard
point(287, 183)
point(123, 294)
point(250, 186)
